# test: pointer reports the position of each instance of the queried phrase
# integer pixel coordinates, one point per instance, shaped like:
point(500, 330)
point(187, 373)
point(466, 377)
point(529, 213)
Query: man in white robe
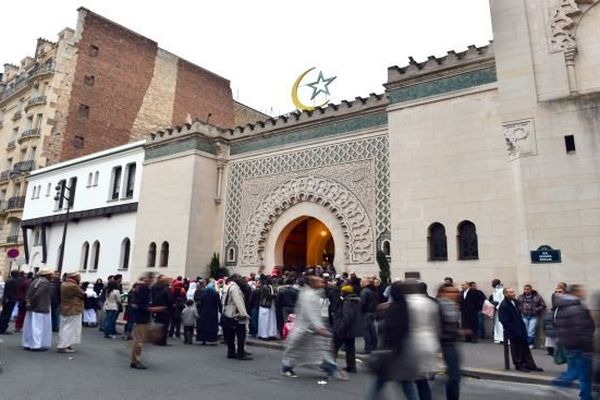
point(71, 309)
point(37, 330)
point(267, 319)
point(496, 298)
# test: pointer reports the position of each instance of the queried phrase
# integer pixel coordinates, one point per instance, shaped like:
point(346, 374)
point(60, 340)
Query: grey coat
point(37, 298)
point(573, 324)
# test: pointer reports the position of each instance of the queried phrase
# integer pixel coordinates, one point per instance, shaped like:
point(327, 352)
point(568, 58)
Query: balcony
point(15, 203)
point(35, 101)
point(17, 115)
point(29, 134)
point(4, 176)
point(3, 206)
point(22, 81)
point(12, 239)
point(24, 166)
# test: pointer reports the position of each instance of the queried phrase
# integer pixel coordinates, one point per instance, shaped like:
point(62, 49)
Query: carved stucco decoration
point(330, 194)
point(520, 138)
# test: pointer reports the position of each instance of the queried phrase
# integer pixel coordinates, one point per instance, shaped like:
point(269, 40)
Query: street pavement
point(100, 370)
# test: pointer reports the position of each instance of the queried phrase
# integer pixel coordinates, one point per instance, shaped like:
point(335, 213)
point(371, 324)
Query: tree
point(384, 267)
point(215, 269)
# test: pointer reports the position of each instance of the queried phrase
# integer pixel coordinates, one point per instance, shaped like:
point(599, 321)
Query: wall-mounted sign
point(13, 253)
point(545, 254)
point(320, 91)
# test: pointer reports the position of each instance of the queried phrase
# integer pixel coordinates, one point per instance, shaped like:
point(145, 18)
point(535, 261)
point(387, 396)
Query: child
point(289, 325)
point(189, 315)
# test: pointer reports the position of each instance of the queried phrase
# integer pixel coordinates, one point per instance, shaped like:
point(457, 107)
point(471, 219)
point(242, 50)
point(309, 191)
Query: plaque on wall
point(545, 254)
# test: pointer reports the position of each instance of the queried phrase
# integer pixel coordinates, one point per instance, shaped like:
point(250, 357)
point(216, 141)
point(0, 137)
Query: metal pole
point(64, 237)
point(506, 359)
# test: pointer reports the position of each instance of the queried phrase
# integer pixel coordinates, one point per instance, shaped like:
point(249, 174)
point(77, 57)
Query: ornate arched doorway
point(307, 242)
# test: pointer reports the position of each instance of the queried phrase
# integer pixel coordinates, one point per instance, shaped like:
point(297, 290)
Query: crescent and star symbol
point(318, 87)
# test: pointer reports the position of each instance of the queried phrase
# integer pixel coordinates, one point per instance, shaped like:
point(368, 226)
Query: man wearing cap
point(71, 310)
point(37, 331)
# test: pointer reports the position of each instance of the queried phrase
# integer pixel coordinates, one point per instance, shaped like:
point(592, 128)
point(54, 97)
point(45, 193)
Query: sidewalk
point(483, 360)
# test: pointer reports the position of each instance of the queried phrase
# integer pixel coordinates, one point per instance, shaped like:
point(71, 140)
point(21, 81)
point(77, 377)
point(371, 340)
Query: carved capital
point(520, 138)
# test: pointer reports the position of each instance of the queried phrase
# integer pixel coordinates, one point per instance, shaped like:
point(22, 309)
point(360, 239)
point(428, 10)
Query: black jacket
point(368, 300)
point(512, 321)
point(287, 297)
point(347, 323)
point(573, 323)
point(10, 291)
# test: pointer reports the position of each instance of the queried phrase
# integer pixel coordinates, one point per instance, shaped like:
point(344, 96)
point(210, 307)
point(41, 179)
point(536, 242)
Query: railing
point(3, 206)
point(39, 100)
point(4, 175)
point(29, 133)
point(22, 81)
point(16, 115)
point(16, 202)
point(24, 166)
point(12, 239)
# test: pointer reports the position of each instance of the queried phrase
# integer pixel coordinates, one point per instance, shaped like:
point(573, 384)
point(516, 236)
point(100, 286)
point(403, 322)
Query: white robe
point(267, 322)
point(89, 316)
point(37, 331)
point(70, 331)
point(498, 296)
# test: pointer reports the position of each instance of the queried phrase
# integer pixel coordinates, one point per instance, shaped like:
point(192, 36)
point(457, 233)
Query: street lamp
point(61, 194)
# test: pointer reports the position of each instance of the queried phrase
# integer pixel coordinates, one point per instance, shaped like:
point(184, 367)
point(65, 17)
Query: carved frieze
point(520, 138)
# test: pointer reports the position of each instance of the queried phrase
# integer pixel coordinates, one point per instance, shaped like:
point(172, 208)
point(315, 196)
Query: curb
point(477, 373)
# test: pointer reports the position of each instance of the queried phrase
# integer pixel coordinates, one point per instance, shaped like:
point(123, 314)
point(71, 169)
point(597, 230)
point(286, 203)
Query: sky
point(262, 46)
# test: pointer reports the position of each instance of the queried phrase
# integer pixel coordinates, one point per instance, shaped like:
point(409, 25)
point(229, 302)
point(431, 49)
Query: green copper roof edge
point(179, 146)
point(443, 85)
point(332, 128)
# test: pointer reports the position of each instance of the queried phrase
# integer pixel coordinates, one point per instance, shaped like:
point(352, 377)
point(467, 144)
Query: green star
point(320, 85)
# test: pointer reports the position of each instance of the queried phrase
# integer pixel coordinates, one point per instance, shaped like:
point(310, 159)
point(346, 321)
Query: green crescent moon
point(296, 100)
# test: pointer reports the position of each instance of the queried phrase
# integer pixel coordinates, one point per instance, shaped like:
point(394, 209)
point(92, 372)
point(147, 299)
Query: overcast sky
point(262, 46)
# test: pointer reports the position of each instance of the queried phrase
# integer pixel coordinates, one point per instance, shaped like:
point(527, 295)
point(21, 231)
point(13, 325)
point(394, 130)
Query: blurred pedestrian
point(515, 331)
point(532, 306)
point(575, 331)
point(347, 325)
point(208, 308)
point(71, 310)
point(9, 300)
point(369, 301)
point(37, 329)
point(162, 298)
point(111, 309)
point(189, 315)
point(22, 288)
point(448, 298)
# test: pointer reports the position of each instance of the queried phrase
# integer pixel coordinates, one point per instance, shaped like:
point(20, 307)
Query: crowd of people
point(317, 313)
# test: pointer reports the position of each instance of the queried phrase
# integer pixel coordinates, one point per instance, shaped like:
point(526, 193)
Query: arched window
point(164, 254)
point(438, 249)
point(152, 255)
point(95, 255)
point(231, 255)
point(85, 253)
point(89, 181)
point(96, 175)
point(125, 251)
point(467, 241)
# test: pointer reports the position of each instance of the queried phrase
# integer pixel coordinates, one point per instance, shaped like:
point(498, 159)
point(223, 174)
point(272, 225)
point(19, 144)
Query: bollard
point(505, 344)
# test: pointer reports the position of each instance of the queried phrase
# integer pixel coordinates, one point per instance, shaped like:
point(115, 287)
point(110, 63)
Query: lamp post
point(61, 194)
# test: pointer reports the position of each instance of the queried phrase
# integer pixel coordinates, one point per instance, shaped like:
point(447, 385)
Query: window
point(48, 189)
point(164, 254)
point(95, 255)
point(36, 236)
point(89, 181)
point(32, 153)
point(38, 121)
point(96, 175)
point(130, 180)
point(152, 255)
point(84, 110)
point(467, 241)
point(115, 183)
point(570, 144)
point(231, 255)
point(89, 80)
point(125, 251)
point(33, 192)
point(29, 124)
point(17, 190)
point(85, 253)
point(78, 142)
point(438, 250)
point(93, 51)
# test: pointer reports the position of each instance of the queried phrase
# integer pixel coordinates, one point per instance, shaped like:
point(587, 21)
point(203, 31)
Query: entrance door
point(308, 244)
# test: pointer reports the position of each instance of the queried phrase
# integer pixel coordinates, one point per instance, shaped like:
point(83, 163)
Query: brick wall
point(122, 71)
point(246, 115)
point(200, 92)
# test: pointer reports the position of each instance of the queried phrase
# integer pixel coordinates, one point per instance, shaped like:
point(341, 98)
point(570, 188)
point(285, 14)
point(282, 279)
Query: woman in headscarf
point(209, 306)
point(90, 303)
point(191, 291)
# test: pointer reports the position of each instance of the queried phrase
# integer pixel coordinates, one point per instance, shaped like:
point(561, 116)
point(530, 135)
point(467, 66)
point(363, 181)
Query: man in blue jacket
point(514, 330)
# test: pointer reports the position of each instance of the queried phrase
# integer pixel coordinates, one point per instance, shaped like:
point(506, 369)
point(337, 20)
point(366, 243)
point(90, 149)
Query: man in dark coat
point(55, 284)
point(285, 302)
point(9, 299)
point(575, 331)
point(368, 304)
point(514, 330)
point(347, 325)
point(470, 306)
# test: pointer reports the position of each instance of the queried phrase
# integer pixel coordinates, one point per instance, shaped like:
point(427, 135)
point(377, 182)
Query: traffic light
point(60, 191)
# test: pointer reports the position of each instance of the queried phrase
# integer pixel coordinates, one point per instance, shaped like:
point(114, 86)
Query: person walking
point(448, 298)
point(71, 310)
point(496, 298)
point(37, 328)
point(111, 309)
point(234, 318)
point(532, 306)
point(368, 304)
point(515, 331)
point(163, 299)
point(9, 300)
point(208, 308)
point(287, 296)
point(347, 325)
point(189, 315)
point(575, 331)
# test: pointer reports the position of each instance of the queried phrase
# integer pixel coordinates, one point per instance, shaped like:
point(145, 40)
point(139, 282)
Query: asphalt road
point(100, 370)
